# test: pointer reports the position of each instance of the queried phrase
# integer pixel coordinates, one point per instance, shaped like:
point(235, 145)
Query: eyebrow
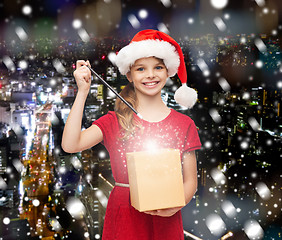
point(141, 65)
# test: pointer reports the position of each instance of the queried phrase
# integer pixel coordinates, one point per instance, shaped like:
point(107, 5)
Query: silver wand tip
point(139, 115)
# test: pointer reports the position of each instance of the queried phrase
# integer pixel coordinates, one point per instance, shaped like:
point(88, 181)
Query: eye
point(159, 67)
point(140, 69)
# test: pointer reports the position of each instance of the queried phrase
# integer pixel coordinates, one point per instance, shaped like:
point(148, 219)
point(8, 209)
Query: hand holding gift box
point(155, 179)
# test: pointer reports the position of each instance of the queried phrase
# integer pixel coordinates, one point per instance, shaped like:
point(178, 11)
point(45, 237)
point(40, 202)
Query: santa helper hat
point(153, 43)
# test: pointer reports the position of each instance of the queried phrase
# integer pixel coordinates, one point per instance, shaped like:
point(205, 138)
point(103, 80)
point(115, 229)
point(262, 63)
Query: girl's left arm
point(190, 181)
point(190, 175)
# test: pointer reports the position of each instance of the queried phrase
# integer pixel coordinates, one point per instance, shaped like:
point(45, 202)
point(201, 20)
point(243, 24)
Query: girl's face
point(148, 75)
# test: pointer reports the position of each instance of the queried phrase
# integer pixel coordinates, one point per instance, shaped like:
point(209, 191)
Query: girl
point(147, 61)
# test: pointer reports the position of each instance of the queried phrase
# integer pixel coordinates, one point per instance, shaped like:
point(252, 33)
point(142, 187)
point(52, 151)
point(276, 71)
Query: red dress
point(122, 221)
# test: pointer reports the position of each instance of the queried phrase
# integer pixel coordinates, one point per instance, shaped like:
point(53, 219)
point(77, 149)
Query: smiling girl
point(148, 61)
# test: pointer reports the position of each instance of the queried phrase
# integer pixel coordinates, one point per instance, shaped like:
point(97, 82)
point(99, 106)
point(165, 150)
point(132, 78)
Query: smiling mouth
point(150, 83)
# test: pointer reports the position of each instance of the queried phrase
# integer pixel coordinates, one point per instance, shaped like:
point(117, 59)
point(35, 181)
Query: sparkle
point(23, 64)
point(265, 10)
point(190, 20)
point(6, 220)
point(219, 4)
point(259, 64)
point(26, 10)
point(143, 14)
point(36, 202)
point(279, 84)
point(77, 23)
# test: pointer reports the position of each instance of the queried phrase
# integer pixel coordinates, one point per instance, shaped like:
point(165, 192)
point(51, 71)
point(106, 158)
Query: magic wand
point(113, 90)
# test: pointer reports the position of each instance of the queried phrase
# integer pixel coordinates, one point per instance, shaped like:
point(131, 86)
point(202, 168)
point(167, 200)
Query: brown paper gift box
point(155, 179)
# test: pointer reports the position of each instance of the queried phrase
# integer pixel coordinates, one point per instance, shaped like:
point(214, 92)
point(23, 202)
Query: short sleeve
point(192, 139)
point(108, 125)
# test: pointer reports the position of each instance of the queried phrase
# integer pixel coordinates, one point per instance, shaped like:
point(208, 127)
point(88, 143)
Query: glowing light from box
point(150, 145)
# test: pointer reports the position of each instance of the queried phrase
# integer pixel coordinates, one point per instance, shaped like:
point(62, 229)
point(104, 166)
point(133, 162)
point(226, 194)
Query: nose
point(151, 73)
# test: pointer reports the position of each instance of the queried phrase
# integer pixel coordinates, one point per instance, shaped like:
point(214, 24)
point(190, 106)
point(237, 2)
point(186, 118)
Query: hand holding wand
point(118, 95)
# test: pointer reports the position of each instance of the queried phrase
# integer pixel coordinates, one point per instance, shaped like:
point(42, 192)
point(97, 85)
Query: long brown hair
point(124, 113)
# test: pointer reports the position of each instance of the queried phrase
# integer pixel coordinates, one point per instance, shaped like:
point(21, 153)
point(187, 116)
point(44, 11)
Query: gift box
point(155, 179)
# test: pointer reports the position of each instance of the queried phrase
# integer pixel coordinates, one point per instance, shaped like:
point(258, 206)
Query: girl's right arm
point(75, 140)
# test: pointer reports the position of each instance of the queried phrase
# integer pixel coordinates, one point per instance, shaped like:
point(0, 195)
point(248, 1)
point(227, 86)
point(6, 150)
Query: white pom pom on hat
point(153, 43)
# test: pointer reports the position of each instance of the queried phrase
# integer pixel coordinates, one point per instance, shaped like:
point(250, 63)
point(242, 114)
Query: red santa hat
point(153, 43)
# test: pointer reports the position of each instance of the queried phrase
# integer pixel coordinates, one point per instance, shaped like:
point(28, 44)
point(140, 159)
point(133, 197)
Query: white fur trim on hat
point(186, 96)
point(148, 48)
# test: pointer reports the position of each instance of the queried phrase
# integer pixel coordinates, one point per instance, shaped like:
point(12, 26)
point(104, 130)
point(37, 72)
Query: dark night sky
point(108, 17)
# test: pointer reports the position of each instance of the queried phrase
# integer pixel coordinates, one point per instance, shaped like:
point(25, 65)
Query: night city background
point(234, 61)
